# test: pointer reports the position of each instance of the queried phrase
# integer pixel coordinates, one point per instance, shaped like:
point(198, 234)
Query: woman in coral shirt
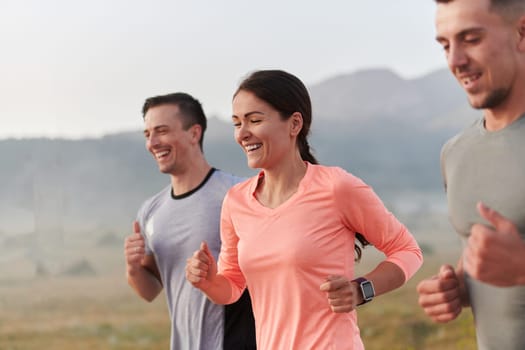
point(288, 233)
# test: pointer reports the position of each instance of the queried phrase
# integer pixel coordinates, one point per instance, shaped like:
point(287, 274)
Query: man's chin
point(475, 104)
point(164, 169)
point(489, 101)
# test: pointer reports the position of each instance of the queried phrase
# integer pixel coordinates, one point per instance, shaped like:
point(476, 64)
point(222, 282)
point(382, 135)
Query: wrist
point(208, 284)
point(365, 290)
point(132, 270)
point(359, 294)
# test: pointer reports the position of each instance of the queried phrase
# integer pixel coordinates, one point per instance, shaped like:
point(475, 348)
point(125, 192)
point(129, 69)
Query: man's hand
point(441, 296)
point(495, 255)
point(134, 249)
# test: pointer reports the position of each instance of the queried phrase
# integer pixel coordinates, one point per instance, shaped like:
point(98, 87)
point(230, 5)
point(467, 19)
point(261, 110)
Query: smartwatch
point(367, 289)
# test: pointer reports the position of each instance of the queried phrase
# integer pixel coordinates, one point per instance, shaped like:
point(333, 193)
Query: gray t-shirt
point(479, 165)
point(174, 227)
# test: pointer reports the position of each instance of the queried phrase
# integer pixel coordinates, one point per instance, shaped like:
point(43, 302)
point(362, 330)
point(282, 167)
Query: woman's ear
point(296, 123)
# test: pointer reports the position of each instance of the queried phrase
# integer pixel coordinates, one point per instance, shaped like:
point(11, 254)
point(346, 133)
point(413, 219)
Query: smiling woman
point(262, 132)
point(288, 233)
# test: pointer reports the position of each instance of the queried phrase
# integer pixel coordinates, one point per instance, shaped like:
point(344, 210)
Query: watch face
point(368, 290)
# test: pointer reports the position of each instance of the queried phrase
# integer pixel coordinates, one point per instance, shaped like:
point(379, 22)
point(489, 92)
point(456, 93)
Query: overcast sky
point(83, 68)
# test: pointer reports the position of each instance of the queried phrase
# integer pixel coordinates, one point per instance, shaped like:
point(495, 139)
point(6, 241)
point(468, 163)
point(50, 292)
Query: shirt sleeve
point(363, 211)
point(228, 264)
point(146, 226)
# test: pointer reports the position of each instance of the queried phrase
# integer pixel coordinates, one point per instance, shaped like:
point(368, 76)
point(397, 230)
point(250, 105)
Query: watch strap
point(361, 282)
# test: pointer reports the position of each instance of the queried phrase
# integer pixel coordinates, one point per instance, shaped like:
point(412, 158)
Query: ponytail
point(359, 249)
point(304, 149)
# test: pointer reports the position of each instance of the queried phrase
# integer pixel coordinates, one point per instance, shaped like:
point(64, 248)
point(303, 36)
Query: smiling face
point(481, 50)
point(166, 139)
point(264, 136)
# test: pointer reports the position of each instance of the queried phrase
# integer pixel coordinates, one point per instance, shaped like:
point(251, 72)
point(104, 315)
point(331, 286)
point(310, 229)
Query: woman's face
point(261, 132)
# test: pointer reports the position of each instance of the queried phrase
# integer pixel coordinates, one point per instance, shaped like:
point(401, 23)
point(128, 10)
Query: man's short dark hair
point(507, 8)
point(190, 109)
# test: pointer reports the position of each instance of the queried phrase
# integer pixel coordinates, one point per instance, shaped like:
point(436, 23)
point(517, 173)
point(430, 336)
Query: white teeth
point(470, 78)
point(161, 154)
point(253, 147)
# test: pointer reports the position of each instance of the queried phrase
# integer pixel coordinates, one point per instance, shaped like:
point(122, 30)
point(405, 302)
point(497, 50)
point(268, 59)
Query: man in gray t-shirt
point(484, 172)
point(173, 223)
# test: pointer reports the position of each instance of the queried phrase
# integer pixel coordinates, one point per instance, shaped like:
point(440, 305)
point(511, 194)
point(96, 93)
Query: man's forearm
point(144, 283)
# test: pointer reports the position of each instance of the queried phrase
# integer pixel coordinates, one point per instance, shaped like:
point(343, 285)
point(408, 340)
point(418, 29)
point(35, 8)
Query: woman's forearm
point(385, 277)
point(219, 290)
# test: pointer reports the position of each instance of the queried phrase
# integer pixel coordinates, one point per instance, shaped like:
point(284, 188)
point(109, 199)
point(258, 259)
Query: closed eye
point(472, 40)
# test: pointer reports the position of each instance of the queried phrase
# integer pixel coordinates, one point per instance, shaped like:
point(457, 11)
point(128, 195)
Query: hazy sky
point(83, 68)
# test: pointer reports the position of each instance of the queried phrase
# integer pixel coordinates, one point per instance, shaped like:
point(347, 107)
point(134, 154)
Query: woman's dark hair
point(287, 94)
point(359, 249)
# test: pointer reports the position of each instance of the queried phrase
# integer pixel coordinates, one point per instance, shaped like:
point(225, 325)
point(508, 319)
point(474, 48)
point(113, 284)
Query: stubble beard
point(494, 99)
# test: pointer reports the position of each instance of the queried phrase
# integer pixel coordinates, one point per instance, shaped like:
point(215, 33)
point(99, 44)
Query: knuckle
point(449, 308)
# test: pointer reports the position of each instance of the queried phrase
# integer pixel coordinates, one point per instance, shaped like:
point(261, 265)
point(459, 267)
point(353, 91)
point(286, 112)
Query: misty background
point(373, 123)
point(78, 69)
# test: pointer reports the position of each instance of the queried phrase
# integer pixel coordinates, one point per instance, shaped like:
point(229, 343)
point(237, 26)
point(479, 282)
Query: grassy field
point(99, 311)
point(396, 322)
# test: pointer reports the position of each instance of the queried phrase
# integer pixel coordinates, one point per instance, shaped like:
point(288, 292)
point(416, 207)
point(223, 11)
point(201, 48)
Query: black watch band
point(367, 289)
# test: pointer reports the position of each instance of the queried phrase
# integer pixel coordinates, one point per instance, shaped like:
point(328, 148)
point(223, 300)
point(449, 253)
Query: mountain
point(386, 129)
point(373, 123)
point(381, 95)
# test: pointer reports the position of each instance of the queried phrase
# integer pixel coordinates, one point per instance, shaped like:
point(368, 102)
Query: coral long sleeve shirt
point(284, 254)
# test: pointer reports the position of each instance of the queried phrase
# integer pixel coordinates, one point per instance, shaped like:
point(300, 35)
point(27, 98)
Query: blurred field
point(84, 304)
point(93, 308)
point(395, 321)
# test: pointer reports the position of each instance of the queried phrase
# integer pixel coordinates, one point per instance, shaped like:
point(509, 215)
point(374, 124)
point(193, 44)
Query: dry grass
point(83, 312)
point(396, 322)
point(102, 312)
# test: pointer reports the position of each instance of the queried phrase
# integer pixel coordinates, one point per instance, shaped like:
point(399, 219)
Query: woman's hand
point(201, 268)
point(343, 295)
